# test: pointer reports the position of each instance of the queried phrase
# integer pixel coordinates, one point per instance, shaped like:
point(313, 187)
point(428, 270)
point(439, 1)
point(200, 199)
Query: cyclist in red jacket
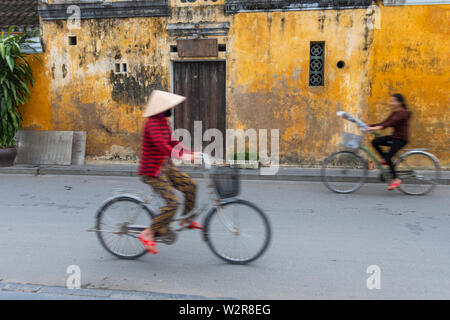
point(158, 170)
point(398, 119)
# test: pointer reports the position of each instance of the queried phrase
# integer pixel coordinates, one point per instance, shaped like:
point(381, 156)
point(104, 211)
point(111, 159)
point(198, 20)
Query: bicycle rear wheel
point(118, 224)
point(237, 231)
point(419, 172)
point(344, 172)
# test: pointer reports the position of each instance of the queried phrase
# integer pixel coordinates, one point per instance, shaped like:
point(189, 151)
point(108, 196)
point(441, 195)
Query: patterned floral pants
point(169, 178)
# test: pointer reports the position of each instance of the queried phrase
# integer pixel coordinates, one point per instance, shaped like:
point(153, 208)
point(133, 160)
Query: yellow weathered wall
point(268, 67)
point(267, 75)
point(37, 111)
point(411, 56)
point(85, 93)
point(267, 71)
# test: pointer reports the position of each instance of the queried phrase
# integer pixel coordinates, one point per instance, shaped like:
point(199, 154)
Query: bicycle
point(222, 226)
point(346, 171)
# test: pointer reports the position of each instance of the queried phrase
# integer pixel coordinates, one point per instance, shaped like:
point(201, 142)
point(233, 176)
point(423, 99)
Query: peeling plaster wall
point(267, 70)
point(267, 74)
point(85, 92)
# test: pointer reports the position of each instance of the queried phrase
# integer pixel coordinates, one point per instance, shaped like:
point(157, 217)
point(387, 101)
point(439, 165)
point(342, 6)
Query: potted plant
point(15, 77)
point(245, 160)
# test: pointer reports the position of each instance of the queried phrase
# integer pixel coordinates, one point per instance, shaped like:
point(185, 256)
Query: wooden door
point(203, 84)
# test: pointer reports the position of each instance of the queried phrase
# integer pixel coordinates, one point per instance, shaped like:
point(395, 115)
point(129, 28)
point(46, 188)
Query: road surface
point(322, 246)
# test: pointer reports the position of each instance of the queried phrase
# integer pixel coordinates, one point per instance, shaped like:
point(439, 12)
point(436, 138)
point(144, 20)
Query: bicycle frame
point(384, 171)
point(213, 202)
point(373, 157)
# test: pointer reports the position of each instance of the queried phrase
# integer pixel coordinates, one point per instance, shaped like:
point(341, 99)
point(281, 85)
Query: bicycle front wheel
point(237, 231)
point(344, 172)
point(118, 224)
point(419, 172)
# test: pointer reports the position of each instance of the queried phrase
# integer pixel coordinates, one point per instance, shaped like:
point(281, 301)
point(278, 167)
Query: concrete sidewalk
point(284, 173)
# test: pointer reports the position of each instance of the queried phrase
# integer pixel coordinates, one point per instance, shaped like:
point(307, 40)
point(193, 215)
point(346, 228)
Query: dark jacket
point(399, 121)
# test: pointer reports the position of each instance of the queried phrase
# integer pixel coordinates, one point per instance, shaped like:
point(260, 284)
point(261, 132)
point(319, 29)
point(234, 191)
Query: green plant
point(15, 77)
point(245, 156)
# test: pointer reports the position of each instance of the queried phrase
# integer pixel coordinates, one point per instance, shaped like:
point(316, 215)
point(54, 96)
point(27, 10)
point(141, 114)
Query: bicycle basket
point(350, 140)
point(226, 181)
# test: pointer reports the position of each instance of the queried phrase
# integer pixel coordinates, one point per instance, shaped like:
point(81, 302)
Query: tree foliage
point(16, 77)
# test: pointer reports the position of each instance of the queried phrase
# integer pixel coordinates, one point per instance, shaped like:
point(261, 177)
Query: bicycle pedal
point(167, 238)
point(160, 236)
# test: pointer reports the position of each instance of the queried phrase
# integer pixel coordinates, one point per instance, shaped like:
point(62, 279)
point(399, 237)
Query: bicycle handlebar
point(362, 125)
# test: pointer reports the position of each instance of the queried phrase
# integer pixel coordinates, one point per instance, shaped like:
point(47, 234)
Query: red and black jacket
point(157, 145)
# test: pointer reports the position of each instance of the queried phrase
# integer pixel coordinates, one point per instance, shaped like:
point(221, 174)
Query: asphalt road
point(322, 242)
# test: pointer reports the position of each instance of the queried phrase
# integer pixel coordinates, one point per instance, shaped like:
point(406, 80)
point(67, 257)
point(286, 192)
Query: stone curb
point(284, 173)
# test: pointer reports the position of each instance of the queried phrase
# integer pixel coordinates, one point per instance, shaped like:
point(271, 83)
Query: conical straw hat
point(161, 101)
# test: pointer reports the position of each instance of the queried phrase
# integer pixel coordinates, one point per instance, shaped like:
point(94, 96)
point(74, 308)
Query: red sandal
point(192, 225)
point(393, 186)
point(149, 245)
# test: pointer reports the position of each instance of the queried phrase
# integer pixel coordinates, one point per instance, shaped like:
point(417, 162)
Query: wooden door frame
point(172, 84)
